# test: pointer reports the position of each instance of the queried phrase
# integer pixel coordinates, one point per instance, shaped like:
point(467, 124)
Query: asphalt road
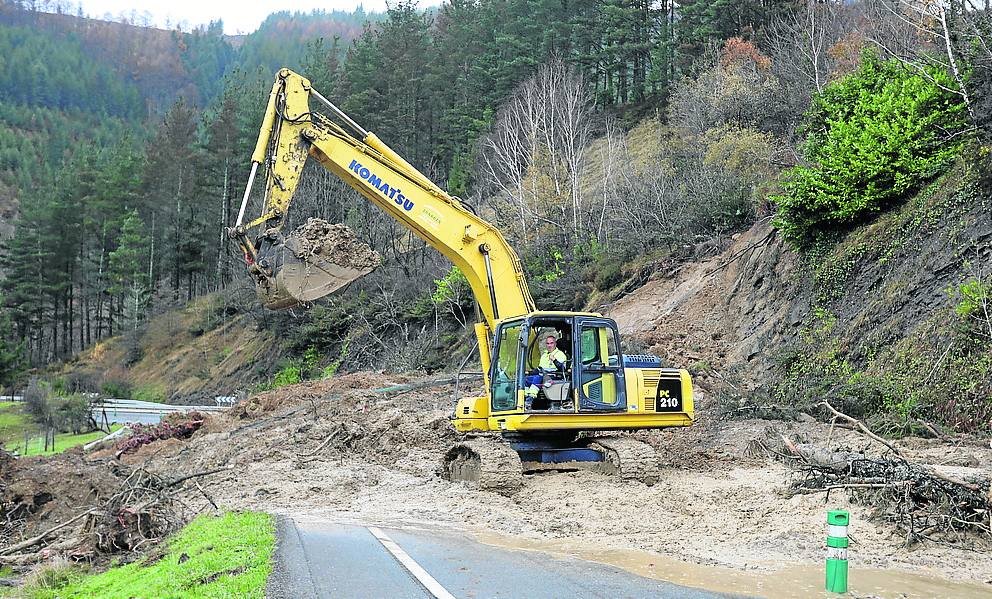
point(323, 559)
point(120, 411)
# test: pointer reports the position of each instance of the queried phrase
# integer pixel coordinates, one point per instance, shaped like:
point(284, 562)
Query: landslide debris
point(366, 447)
point(347, 449)
point(87, 507)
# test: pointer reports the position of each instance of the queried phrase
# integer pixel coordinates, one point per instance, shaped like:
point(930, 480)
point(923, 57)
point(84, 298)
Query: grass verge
point(14, 423)
point(214, 556)
point(63, 441)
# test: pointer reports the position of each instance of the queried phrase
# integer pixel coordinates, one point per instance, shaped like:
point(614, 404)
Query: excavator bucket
point(315, 260)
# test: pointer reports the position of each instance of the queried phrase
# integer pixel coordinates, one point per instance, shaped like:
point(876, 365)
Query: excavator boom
point(291, 133)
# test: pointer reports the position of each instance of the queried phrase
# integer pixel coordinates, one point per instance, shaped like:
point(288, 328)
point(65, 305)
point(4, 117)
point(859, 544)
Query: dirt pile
point(341, 418)
point(337, 449)
point(38, 493)
point(88, 507)
point(318, 239)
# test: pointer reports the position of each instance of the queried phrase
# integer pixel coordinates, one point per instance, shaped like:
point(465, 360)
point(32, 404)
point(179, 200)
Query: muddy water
point(774, 581)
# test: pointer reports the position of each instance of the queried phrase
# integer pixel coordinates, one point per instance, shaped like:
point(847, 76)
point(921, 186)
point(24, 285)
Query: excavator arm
point(291, 132)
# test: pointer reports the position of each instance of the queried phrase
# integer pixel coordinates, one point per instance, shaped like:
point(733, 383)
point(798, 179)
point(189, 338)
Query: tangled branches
point(144, 508)
point(922, 503)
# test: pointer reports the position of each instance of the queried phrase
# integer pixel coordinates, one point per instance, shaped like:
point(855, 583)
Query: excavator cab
point(592, 381)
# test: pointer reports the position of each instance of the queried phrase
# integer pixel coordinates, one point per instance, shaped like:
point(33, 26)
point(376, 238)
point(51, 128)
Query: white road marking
point(432, 585)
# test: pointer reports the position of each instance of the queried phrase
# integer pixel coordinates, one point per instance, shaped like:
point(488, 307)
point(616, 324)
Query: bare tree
point(810, 47)
point(532, 159)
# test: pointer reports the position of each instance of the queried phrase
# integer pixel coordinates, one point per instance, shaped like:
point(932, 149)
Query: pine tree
point(128, 270)
point(170, 178)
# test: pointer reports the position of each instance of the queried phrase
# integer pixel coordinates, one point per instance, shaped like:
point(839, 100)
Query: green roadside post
point(837, 521)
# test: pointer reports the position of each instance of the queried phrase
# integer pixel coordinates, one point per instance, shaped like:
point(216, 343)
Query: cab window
point(590, 346)
point(504, 380)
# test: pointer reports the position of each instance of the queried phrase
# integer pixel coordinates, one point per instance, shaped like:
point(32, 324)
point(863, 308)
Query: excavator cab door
point(598, 367)
point(507, 365)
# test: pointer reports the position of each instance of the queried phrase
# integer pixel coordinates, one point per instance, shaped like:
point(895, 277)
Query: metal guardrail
point(112, 411)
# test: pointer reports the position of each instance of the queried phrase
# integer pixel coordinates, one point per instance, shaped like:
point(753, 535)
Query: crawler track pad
point(485, 464)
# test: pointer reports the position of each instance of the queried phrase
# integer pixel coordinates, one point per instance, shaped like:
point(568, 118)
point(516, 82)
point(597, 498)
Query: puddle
point(773, 581)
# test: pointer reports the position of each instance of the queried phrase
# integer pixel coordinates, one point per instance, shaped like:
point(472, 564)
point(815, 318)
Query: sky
point(239, 16)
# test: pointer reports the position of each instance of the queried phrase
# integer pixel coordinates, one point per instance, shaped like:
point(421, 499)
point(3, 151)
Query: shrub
point(291, 374)
point(453, 288)
point(74, 413)
point(153, 392)
point(115, 386)
point(870, 138)
point(82, 381)
point(37, 400)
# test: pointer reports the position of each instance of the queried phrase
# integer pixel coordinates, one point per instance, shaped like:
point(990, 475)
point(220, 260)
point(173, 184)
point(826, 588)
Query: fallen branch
point(209, 498)
point(406, 388)
point(807, 491)
point(861, 427)
point(916, 499)
point(39, 538)
point(329, 438)
point(182, 479)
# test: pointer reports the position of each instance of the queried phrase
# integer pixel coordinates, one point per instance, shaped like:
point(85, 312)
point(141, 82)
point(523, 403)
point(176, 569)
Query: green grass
point(214, 556)
point(63, 441)
point(14, 423)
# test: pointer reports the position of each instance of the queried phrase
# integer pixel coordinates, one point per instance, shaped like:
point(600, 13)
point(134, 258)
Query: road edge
point(291, 577)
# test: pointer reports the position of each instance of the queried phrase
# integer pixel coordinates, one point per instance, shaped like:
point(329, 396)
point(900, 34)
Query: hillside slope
point(872, 322)
point(727, 311)
point(754, 319)
point(188, 356)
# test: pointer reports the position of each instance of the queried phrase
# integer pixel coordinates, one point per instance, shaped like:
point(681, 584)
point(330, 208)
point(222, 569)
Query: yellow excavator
point(531, 418)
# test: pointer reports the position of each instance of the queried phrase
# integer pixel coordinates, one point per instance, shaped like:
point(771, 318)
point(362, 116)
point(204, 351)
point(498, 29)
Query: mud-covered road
point(320, 558)
point(720, 518)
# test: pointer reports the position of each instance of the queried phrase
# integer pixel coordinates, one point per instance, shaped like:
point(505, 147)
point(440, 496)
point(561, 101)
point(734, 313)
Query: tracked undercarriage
point(497, 465)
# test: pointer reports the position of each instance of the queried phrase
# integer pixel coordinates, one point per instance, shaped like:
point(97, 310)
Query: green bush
point(608, 275)
point(453, 287)
point(871, 138)
point(116, 388)
point(150, 392)
point(291, 374)
point(74, 413)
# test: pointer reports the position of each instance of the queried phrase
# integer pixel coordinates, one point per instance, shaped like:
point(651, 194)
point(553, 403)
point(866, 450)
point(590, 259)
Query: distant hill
point(281, 40)
point(67, 80)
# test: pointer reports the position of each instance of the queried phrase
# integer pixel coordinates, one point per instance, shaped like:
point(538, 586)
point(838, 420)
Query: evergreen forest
point(600, 136)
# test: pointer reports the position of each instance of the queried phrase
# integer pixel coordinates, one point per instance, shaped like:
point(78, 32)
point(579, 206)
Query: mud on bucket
point(313, 261)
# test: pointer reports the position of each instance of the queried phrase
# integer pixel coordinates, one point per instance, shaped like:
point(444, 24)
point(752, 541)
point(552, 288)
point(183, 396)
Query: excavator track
point(626, 458)
point(485, 464)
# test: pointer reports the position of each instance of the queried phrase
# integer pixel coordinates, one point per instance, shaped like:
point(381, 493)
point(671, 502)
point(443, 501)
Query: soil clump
point(337, 243)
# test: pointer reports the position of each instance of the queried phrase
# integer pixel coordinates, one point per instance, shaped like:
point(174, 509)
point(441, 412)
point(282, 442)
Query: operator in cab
point(553, 360)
